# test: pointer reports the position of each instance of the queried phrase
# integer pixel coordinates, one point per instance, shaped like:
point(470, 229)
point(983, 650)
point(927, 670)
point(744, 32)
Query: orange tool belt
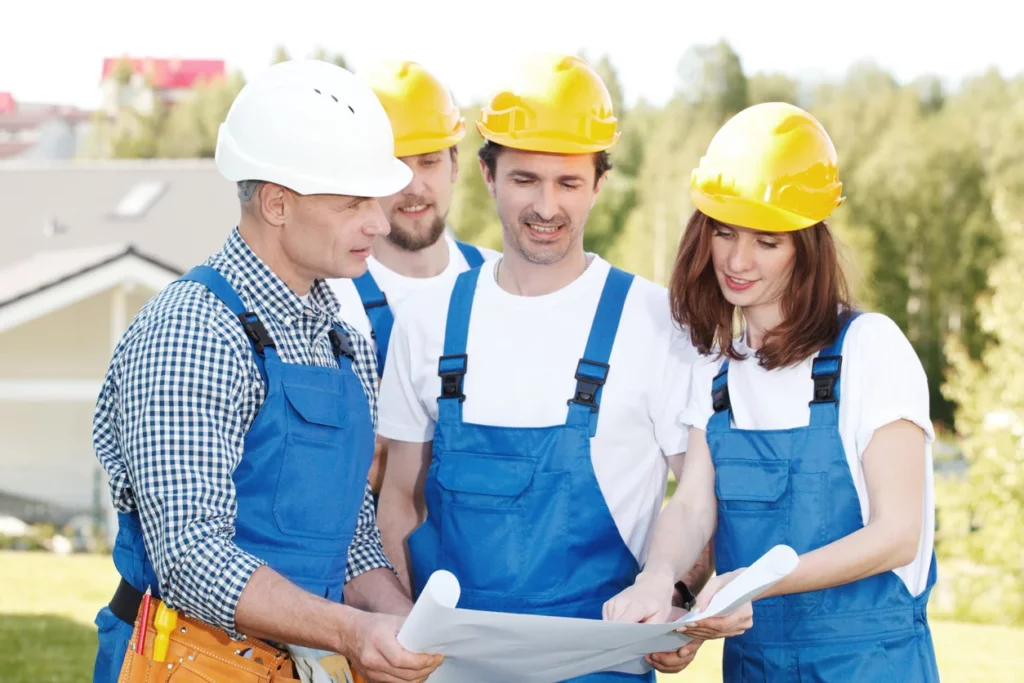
point(202, 653)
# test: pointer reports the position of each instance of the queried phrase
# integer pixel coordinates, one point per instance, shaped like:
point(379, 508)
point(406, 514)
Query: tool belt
point(197, 652)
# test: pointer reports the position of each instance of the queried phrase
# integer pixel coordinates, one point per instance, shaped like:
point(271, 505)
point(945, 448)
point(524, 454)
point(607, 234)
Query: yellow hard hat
point(771, 167)
point(423, 116)
point(557, 104)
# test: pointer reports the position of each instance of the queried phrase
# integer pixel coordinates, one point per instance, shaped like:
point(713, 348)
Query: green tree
point(981, 517)
point(712, 76)
point(323, 55)
point(774, 87)
point(922, 199)
point(473, 216)
point(192, 125)
point(280, 55)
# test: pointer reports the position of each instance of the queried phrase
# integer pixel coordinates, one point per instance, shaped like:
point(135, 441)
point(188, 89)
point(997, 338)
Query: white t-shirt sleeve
point(402, 416)
point(698, 408)
point(887, 378)
point(672, 394)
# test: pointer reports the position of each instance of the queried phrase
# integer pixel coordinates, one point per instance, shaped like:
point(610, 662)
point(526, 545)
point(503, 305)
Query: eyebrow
point(757, 233)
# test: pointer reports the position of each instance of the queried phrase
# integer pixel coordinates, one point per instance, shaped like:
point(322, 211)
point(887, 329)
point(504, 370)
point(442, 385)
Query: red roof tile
point(170, 73)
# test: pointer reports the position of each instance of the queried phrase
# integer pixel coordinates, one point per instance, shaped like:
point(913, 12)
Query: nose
point(546, 202)
point(741, 255)
point(415, 186)
point(374, 221)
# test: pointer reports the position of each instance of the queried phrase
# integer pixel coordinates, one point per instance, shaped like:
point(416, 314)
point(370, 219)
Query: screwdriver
point(165, 621)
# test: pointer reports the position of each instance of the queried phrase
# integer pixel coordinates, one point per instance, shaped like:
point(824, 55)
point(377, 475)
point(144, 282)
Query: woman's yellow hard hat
point(771, 167)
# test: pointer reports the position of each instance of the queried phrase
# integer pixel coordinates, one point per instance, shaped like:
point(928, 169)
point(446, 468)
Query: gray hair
point(247, 189)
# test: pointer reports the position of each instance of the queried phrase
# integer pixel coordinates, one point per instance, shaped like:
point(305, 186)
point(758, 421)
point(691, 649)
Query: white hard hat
point(313, 127)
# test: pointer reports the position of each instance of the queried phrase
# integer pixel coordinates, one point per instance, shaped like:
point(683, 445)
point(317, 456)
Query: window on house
point(140, 198)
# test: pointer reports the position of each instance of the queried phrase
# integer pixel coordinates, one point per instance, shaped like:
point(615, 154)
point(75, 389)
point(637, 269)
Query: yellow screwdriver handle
point(165, 621)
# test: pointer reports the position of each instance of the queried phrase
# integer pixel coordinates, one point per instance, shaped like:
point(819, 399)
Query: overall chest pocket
point(753, 511)
point(319, 489)
point(503, 524)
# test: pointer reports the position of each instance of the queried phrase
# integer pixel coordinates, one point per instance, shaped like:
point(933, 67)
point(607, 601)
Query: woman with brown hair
point(776, 454)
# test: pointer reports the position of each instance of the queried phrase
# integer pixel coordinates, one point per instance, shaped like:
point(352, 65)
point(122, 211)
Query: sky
point(53, 51)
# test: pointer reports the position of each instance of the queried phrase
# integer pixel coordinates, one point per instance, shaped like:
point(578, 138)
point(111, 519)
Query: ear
point(455, 163)
point(600, 182)
point(273, 201)
point(488, 178)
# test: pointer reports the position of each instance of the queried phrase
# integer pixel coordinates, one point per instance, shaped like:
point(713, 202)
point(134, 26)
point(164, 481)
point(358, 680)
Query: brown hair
point(811, 302)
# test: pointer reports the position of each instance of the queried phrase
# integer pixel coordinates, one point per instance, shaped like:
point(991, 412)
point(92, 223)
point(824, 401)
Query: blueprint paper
point(524, 648)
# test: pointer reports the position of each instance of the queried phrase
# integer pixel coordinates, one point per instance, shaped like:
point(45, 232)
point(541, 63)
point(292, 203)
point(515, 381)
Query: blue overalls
point(379, 312)
point(793, 486)
point(516, 513)
point(299, 484)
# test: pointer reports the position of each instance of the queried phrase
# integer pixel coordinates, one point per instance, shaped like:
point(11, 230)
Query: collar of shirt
point(249, 272)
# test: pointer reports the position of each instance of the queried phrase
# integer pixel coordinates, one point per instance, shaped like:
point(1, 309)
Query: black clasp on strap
point(825, 383)
point(451, 380)
point(720, 396)
point(256, 332)
point(341, 345)
point(587, 386)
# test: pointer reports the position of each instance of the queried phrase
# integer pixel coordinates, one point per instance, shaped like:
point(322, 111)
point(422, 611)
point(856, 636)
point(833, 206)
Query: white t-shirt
point(882, 381)
point(529, 348)
point(397, 287)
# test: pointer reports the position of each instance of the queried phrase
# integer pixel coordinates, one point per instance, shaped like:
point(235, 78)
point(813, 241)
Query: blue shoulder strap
point(379, 313)
point(826, 372)
point(260, 340)
point(592, 370)
point(452, 365)
point(472, 254)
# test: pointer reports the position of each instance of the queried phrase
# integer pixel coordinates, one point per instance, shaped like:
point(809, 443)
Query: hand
point(732, 624)
point(674, 662)
point(374, 651)
point(649, 599)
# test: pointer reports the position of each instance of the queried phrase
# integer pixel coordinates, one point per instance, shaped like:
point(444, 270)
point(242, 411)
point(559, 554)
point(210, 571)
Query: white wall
point(46, 447)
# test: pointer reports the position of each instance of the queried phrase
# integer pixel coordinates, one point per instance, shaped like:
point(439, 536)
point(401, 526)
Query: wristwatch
point(683, 597)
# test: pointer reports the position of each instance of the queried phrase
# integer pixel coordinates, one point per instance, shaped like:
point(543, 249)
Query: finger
point(669, 663)
point(407, 665)
point(690, 649)
point(708, 592)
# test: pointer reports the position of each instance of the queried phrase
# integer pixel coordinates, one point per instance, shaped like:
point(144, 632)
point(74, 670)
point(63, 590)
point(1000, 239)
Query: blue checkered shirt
point(177, 401)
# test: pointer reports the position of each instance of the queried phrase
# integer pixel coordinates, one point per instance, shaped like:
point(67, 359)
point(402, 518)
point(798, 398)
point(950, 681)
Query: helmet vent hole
point(351, 109)
point(334, 98)
point(317, 91)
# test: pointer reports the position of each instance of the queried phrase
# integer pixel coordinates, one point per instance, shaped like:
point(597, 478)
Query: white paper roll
point(441, 591)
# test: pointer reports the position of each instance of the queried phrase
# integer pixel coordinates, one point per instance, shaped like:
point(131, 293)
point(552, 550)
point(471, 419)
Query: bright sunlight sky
point(52, 51)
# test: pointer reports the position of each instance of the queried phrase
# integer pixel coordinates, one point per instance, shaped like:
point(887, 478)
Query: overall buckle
point(452, 370)
point(588, 386)
point(825, 383)
point(256, 332)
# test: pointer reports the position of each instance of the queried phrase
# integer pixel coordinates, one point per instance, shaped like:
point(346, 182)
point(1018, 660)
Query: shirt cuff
point(406, 432)
point(209, 582)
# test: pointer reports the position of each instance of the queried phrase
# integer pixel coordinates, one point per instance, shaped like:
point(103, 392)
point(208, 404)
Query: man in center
point(531, 403)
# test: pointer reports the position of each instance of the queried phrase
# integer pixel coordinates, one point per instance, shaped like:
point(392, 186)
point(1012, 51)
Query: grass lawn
point(47, 604)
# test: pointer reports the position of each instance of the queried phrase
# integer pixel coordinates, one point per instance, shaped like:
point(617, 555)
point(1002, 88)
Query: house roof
point(7, 103)
point(169, 73)
point(47, 269)
point(176, 212)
